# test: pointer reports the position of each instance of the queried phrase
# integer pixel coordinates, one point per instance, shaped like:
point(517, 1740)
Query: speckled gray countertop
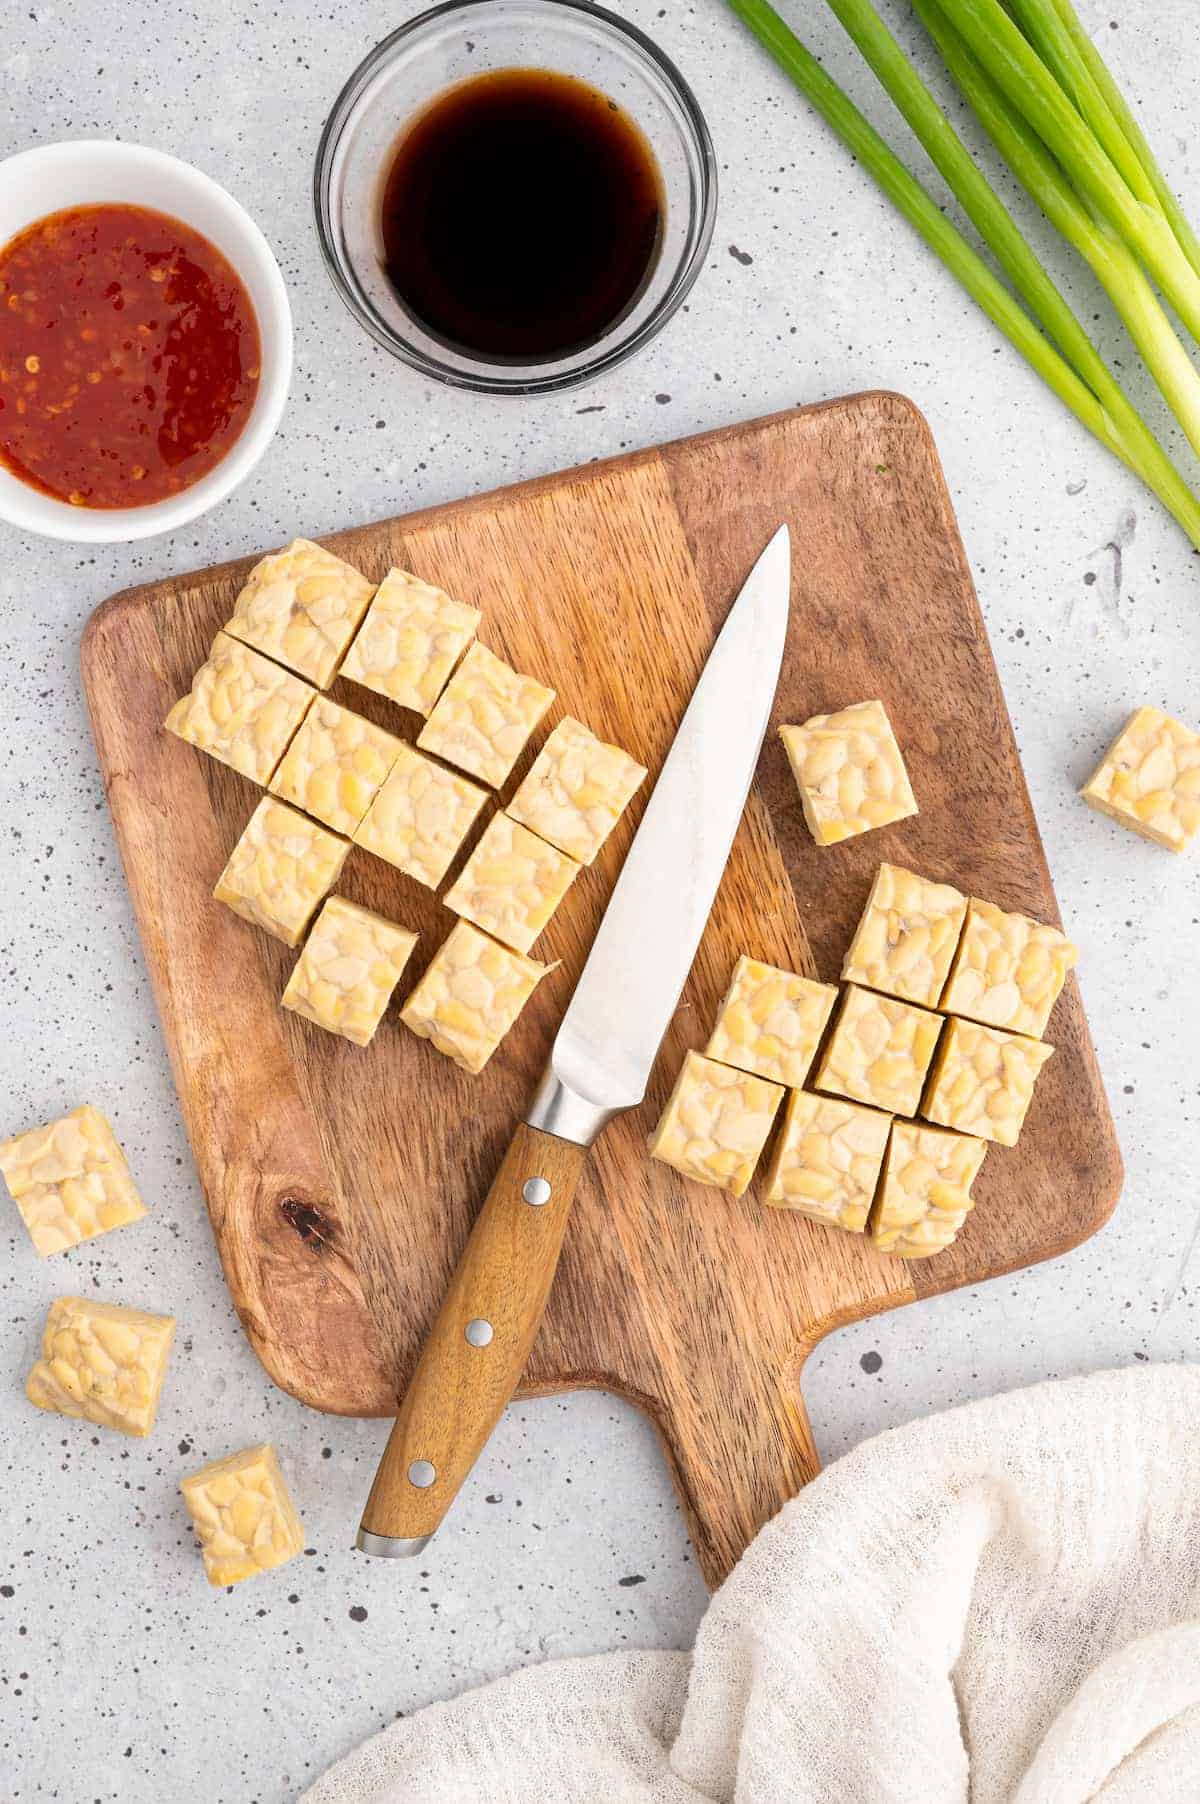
point(122, 1676)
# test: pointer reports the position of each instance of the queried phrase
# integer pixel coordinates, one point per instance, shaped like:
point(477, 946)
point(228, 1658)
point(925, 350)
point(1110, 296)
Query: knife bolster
point(557, 1109)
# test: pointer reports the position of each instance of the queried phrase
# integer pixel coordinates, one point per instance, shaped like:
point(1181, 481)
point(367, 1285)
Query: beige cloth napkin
point(999, 1605)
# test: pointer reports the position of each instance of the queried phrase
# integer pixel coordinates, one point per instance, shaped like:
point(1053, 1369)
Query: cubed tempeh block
point(242, 709)
point(577, 789)
point(771, 1022)
point(411, 638)
point(352, 961)
point(1149, 779)
point(982, 1081)
point(103, 1363)
point(827, 1162)
point(512, 883)
point(420, 817)
point(485, 716)
point(716, 1123)
point(336, 765)
point(850, 772)
point(243, 1513)
point(925, 1196)
point(281, 869)
point(879, 1051)
point(907, 935)
point(1009, 970)
point(470, 996)
point(69, 1180)
point(301, 606)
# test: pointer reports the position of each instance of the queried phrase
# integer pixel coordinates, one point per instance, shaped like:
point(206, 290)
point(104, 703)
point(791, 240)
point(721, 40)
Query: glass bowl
point(465, 38)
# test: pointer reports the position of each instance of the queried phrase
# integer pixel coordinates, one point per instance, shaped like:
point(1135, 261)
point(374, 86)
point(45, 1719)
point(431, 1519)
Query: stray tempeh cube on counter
point(850, 772)
point(982, 1081)
point(827, 1161)
point(102, 1363)
point(69, 1180)
point(512, 883)
point(411, 638)
point(301, 606)
point(280, 871)
point(1149, 779)
point(905, 942)
point(485, 717)
point(716, 1123)
point(770, 1022)
point(336, 765)
point(243, 1513)
point(241, 709)
point(879, 1051)
point(470, 995)
point(925, 1196)
point(352, 961)
point(576, 791)
point(420, 817)
point(1008, 971)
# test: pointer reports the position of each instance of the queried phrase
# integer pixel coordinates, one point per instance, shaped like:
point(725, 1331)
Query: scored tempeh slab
point(335, 1200)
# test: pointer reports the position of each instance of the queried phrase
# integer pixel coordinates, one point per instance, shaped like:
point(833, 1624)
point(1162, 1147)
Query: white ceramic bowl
point(37, 182)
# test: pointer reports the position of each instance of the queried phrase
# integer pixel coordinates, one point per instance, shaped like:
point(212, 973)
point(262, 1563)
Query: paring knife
point(600, 1065)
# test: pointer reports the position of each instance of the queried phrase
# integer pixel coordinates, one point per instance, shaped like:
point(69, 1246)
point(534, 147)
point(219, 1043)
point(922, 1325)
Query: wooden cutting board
point(342, 1183)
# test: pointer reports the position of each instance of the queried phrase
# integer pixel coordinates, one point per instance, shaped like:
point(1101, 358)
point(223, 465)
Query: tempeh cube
point(850, 772)
point(1009, 970)
point(70, 1181)
point(242, 709)
point(983, 1080)
point(300, 606)
point(352, 961)
point(1149, 779)
point(826, 1164)
point(512, 883)
point(925, 1196)
point(907, 935)
point(420, 817)
point(485, 716)
point(410, 640)
point(103, 1363)
point(336, 765)
point(879, 1051)
point(577, 789)
point(243, 1513)
point(771, 1022)
point(470, 996)
point(280, 870)
point(716, 1123)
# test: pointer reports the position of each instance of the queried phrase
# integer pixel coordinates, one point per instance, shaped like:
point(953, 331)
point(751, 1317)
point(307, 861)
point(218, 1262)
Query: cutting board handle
point(737, 1439)
point(477, 1348)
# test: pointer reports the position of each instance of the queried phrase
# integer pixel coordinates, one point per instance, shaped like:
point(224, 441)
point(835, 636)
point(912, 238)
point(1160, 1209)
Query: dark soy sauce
point(521, 215)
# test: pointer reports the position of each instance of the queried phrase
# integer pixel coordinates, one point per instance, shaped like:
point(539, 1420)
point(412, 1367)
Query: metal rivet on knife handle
point(479, 1332)
point(422, 1473)
point(536, 1192)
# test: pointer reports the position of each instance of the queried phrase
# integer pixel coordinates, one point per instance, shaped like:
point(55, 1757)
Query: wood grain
point(342, 1183)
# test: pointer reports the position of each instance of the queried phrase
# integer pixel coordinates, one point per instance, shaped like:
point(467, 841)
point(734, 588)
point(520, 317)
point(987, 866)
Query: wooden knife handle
point(476, 1351)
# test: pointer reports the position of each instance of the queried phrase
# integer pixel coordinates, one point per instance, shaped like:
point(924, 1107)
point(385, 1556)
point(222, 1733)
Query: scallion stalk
point(1112, 262)
point(1117, 427)
point(1094, 63)
point(1015, 67)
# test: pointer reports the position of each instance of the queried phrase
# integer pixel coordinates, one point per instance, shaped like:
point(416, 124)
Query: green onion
point(1113, 263)
point(1091, 61)
point(1018, 71)
point(1110, 418)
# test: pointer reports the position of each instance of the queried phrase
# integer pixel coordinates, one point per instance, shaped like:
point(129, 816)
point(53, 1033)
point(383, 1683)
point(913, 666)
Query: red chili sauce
point(129, 356)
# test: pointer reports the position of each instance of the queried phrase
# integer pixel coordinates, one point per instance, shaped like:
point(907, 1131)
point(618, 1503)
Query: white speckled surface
point(122, 1677)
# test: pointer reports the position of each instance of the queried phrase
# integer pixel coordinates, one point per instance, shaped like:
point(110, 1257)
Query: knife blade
point(600, 1064)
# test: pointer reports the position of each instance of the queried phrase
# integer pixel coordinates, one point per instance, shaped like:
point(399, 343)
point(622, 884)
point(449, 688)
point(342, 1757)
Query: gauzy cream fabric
point(999, 1605)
